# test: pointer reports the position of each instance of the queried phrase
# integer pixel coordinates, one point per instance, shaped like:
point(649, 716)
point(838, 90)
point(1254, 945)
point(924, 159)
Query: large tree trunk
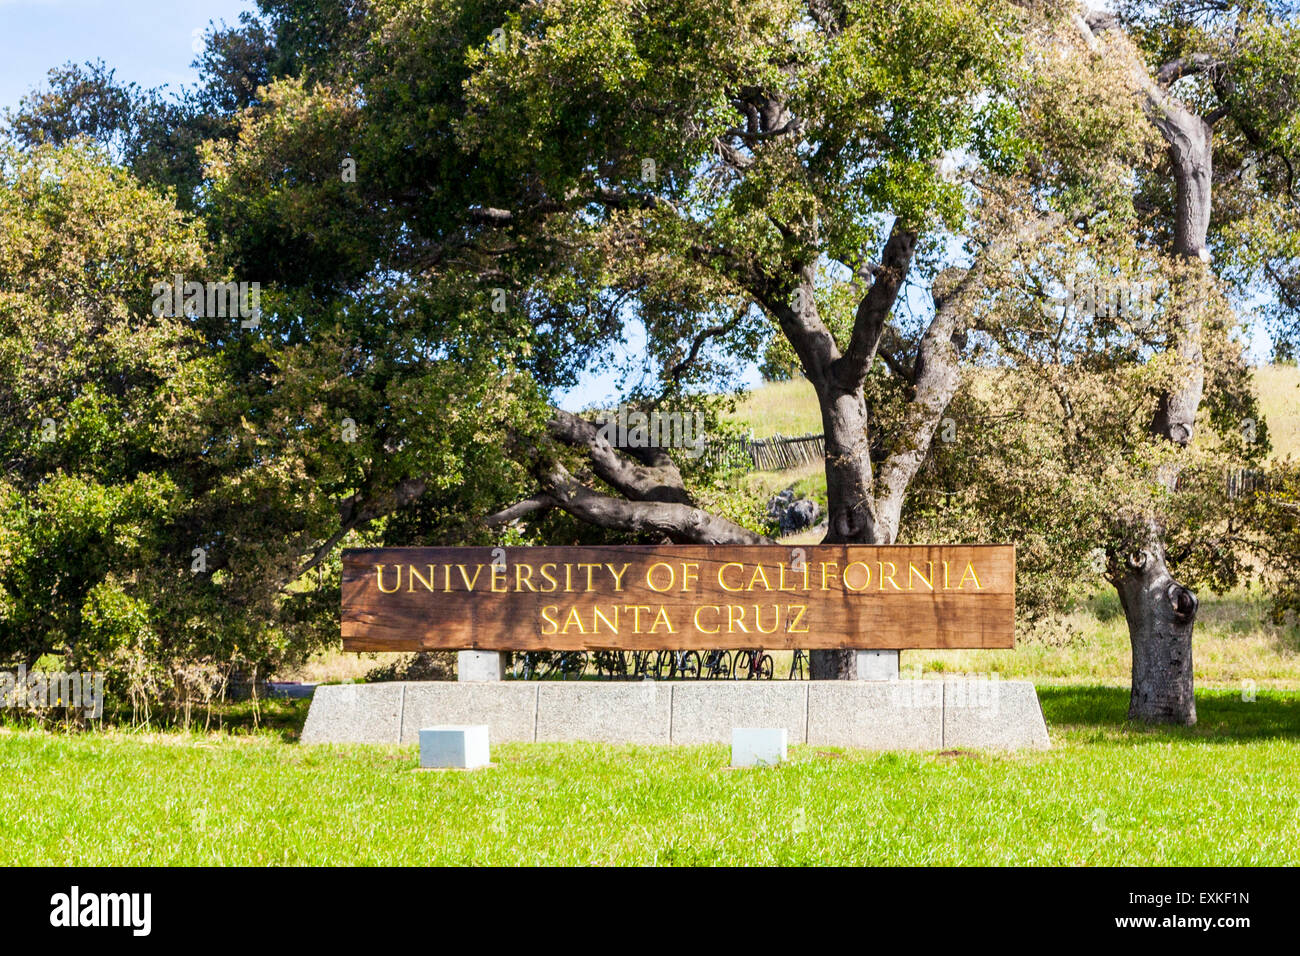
point(850, 498)
point(1161, 614)
point(850, 501)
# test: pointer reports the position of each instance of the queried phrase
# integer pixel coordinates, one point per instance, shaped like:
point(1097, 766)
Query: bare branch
point(539, 502)
point(683, 523)
point(658, 481)
point(850, 370)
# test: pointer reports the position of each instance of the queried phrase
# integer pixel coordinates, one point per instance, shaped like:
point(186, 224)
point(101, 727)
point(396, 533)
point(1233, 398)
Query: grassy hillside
point(790, 408)
point(781, 408)
point(1279, 399)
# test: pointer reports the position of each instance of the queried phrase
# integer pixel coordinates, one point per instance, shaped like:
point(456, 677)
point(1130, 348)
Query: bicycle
point(611, 665)
point(571, 665)
point(552, 665)
point(684, 665)
point(757, 664)
point(798, 664)
point(643, 663)
point(716, 665)
point(526, 665)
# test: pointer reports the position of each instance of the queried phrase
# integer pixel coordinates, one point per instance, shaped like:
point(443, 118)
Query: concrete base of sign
point(758, 746)
point(876, 715)
point(478, 666)
point(877, 665)
point(463, 748)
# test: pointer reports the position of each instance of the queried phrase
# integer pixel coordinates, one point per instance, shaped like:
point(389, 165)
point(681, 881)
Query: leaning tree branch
point(683, 523)
point(538, 502)
point(656, 480)
point(358, 511)
point(850, 369)
point(1175, 70)
point(678, 369)
point(936, 374)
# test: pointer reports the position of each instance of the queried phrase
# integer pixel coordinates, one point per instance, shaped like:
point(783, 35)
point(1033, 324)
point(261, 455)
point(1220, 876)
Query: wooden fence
point(1239, 481)
point(766, 454)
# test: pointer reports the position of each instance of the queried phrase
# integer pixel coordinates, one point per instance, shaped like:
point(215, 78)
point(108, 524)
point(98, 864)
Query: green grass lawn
point(1223, 792)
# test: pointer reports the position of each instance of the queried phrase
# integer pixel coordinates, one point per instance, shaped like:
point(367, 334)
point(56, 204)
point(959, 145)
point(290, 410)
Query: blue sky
point(150, 43)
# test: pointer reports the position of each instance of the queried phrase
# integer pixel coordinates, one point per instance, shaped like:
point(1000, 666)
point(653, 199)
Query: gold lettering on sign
point(970, 569)
point(781, 585)
point(379, 579)
point(412, 575)
point(650, 576)
point(893, 569)
point(866, 570)
point(700, 627)
point(618, 575)
point(722, 582)
point(662, 616)
point(861, 597)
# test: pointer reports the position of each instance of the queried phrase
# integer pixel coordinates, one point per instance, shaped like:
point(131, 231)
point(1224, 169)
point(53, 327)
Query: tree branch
point(683, 523)
point(538, 502)
point(850, 370)
point(657, 481)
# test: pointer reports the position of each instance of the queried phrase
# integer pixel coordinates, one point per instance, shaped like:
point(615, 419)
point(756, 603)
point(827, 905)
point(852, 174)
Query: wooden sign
point(679, 597)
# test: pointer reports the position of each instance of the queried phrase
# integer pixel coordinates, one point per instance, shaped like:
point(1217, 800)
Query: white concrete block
point(877, 665)
point(757, 746)
point(480, 666)
point(464, 747)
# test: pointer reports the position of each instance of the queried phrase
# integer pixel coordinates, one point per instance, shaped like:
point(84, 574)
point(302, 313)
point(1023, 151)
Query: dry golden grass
point(335, 665)
point(1279, 399)
point(780, 408)
point(1234, 643)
